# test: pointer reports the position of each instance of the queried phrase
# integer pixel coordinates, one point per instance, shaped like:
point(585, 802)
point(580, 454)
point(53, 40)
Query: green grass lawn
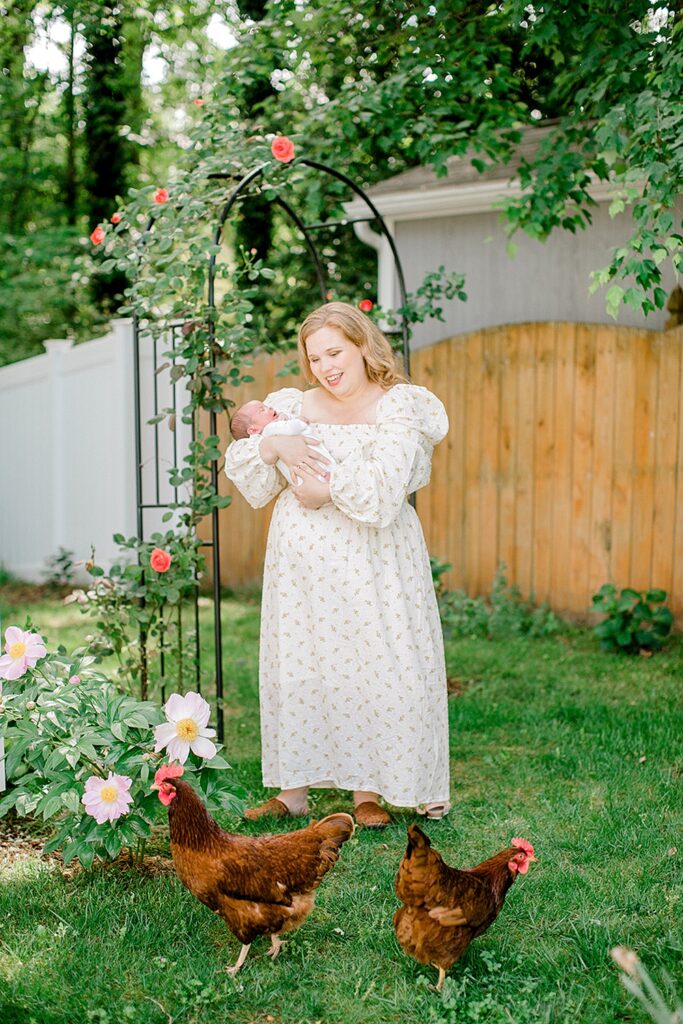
point(578, 751)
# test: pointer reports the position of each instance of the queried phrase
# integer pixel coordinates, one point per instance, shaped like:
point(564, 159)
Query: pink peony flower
point(282, 149)
point(161, 196)
point(160, 560)
point(365, 305)
point(185, 729)
point(107, 799)
point(23, 651)
point(98, 235)
point(116, 218)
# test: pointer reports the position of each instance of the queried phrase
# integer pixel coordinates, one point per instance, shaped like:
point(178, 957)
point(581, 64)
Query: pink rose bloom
point(198, 102)
point(97, 236)
point(116, 218)
point(282, 149)
point(107, 799)
point(161, 196)
point(23, 650)
point(365, 305)
point(160, 560)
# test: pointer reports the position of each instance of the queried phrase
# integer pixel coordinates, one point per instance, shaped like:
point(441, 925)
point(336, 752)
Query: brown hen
point(446, 908)
point(259, 885)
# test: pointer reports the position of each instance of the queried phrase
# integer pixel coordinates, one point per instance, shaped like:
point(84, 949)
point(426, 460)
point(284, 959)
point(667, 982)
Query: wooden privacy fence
point(564, 461)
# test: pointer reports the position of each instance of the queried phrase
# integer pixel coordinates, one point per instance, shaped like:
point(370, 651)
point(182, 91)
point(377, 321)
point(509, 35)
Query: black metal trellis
point(213, 543)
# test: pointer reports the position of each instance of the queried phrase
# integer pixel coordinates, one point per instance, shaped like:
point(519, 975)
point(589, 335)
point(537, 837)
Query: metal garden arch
point(145, 501)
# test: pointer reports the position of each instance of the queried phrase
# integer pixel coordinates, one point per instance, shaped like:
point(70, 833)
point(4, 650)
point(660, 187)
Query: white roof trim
point(454, 200)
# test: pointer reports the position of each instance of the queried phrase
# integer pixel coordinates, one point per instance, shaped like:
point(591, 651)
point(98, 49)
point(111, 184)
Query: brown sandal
point(272, 808)
point(369, 814)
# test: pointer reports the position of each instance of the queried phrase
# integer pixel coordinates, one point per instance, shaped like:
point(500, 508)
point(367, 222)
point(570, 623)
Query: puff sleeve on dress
point(372, 485)
point(256, 480)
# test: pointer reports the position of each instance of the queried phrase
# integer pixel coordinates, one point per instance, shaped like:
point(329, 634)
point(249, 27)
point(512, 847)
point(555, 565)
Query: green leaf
point(113, 842)
point(217, 762)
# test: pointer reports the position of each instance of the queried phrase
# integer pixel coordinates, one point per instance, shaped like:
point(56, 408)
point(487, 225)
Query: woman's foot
point(290, 803)
point(369, 814)
point(367, 811)
point(434, 811)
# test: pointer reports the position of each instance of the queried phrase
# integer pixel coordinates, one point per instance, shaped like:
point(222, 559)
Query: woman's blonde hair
point(381, 364)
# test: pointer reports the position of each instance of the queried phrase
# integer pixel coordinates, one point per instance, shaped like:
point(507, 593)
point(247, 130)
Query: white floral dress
point(352, 673)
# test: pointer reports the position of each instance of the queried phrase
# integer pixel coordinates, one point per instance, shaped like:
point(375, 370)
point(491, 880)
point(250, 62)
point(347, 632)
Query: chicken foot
point(442, 977)
point(232, 971)
point(276, 945)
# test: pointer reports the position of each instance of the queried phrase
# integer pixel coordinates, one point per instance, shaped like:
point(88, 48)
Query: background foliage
point(373, 89)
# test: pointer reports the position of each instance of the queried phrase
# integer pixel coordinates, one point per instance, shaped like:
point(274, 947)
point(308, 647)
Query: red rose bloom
point(161, 196)
point(282, 149)
point(365, 305)
point(98, 235)
point(116, 218)
point(160, 560)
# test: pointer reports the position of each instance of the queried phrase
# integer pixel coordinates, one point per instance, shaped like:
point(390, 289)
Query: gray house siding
point(543, 281)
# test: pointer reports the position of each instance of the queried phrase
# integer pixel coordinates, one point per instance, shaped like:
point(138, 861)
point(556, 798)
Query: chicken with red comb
point(444, 907)
point(259, 885)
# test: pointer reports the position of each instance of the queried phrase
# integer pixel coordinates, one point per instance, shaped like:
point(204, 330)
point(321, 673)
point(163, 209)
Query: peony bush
point(82, 754)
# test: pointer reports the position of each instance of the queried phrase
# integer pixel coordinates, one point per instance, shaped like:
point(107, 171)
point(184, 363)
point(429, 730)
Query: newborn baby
point(257, 418)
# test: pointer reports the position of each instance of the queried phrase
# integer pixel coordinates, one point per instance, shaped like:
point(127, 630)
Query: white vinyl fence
point(67, 449)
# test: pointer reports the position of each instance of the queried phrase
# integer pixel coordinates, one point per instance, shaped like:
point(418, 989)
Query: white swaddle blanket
point(293, 427)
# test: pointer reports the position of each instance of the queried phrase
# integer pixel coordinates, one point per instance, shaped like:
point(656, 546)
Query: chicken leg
point(276, 945)
point(232, 971)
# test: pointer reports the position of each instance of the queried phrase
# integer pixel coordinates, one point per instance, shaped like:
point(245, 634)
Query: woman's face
point(336, 362)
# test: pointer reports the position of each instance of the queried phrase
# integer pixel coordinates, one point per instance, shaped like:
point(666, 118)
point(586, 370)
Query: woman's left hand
point(312, 493)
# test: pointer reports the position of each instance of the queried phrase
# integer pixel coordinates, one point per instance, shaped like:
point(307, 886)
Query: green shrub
point(64, 722)
point(505, 613)
point(635, 620)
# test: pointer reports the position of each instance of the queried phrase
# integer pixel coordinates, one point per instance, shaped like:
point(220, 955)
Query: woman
point(352, 675)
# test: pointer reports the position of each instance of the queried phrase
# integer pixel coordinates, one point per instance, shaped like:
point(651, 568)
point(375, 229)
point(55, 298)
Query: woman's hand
point(297, 453)
point(312, 493)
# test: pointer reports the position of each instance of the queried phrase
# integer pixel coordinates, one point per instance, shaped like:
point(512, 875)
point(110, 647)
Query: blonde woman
point(352, 676)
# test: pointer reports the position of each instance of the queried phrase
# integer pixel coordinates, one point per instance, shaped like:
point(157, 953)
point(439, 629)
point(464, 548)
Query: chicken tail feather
point(417, 839)
point(337, 827)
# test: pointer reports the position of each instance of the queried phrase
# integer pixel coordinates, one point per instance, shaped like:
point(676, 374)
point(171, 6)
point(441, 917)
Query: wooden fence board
point(622, 471)
point(581, 465)
point(562, 468)
point(525, 466)
point(666, 457)
point(507, 453)
point(600, 561)
point(488, 462)
point(544, 457)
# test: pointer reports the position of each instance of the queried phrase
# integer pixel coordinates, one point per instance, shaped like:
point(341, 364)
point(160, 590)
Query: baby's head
point(250, 419)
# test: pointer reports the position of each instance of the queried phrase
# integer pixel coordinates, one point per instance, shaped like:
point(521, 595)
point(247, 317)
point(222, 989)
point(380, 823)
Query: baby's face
point(259, 416)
